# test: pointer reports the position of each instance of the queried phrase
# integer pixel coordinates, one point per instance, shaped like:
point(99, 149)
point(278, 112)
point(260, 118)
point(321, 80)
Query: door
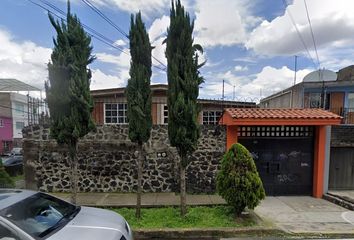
point(341, 169)
point(284, 162)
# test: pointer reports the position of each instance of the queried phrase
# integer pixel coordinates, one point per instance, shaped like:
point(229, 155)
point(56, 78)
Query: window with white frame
point(19, 108)
point(165, 114)
point(1, 123)
point(116, 113)
point(20, 125)
point(211, 117)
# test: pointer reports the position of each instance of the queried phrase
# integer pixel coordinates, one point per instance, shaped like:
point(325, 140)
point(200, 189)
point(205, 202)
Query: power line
point(312, 35)
point(107, 40)
point(298, 33)
point(108, 20)
point(94, 34)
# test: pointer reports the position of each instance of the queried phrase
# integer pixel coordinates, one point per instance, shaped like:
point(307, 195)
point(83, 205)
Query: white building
point(19, 106)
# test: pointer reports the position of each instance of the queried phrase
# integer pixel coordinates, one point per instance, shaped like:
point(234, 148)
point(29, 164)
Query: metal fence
point(346, 113)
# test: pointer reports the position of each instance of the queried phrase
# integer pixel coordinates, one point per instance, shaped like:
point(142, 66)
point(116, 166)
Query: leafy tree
point(68, 88)
point(139, 93)
point(238, 181)
point(183, 89)
point(5, 179)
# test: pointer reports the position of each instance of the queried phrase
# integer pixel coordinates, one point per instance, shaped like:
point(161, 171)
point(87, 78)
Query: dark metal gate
point(283, 156)
point(341, 169)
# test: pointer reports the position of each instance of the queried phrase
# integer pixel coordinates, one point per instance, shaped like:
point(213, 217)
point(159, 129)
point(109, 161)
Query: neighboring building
point(319, 89)
point(111, 106)
point(5, 134)
point(16, 111)
point(19, 105)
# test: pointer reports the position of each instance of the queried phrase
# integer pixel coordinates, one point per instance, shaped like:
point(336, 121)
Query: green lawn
point(197, 217)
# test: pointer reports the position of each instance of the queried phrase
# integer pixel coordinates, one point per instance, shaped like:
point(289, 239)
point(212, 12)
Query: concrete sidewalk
point(306, 215)
point(147, 199)
point(348, 195)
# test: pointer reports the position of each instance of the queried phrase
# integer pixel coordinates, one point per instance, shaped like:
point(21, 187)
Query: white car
point(29, 215)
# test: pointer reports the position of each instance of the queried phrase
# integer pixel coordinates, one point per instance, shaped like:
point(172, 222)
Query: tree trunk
point(140, 176)
point(183, 190)
point(73, 167)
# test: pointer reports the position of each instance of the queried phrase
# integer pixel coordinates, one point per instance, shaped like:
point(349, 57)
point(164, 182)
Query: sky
point(251, 45)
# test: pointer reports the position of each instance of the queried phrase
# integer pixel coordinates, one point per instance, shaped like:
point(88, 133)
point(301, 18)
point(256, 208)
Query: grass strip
point(197, 217)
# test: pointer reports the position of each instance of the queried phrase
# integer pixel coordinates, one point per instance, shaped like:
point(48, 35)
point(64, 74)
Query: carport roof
point(266, 116)
point(9, 84)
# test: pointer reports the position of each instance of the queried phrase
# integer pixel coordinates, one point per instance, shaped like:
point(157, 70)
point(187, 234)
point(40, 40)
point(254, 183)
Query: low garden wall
point(107, 162)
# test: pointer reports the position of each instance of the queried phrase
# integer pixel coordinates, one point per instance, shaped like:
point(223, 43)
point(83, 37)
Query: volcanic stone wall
point(107, 163)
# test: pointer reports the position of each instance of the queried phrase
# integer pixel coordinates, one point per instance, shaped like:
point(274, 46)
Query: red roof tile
point(266, 113)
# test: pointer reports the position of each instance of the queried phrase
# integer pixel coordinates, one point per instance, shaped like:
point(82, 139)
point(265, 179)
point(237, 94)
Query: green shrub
point(238, 181)
point(5, 179)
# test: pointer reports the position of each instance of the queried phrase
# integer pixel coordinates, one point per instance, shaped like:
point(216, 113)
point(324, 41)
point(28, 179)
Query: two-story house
point(319, 89)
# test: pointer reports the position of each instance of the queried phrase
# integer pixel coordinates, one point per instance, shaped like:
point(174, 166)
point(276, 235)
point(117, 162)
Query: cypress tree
point(68, 88)
point(139, 94)
point(183, 89)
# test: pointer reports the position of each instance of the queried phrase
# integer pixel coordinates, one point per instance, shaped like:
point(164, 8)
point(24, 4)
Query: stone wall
point(107, 162)
point(342, 136)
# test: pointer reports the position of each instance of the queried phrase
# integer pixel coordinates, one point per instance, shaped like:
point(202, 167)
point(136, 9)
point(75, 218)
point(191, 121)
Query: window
point(350, 102)
point(20, 125)
point(165, 114)
point(19, 108)
point(1, 123)
point(116, 113)
point(315, 100)
point(6, 233)
point(40, 214)
point(211, 117)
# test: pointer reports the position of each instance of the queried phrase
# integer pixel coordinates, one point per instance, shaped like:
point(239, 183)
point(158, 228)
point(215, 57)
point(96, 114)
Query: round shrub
point(238, 181)
point(5, 179)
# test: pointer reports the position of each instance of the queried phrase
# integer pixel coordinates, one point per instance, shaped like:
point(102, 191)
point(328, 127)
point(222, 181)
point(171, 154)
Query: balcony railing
point(346, 113)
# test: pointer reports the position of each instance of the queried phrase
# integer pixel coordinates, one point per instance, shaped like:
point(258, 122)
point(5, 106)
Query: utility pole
point(292, 91)
point(222, 100)
point(233, 97)
point(295, 70)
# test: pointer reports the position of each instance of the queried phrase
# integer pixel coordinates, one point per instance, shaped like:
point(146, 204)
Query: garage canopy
point(265, 116)
point(9, 84)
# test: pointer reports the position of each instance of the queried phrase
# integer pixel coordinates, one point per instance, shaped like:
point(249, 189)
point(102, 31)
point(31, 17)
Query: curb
point(202, 233)
point(339, 201)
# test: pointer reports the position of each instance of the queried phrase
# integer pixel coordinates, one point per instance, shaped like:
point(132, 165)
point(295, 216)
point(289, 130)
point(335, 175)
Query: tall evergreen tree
point(68, 88)
point(139, 94)
point(183, 89)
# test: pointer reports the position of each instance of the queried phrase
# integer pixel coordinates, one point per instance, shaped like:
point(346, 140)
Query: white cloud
point(121, 64)
point(120, 43)
point(271, 80)
point(133, 6)
point(268, 81)
point(159, 28)
point(332, 22)
point(101, 80)
point(24, 61)
point(121, 60)
point(239, 68)
point(222, 22)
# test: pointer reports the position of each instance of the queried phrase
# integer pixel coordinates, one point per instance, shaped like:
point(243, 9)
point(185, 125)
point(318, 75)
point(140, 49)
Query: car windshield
point(40, 214)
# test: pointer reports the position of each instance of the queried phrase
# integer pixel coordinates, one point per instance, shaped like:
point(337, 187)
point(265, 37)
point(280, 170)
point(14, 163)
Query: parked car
point(29, 215)
point(16, 151)
point(14, 165)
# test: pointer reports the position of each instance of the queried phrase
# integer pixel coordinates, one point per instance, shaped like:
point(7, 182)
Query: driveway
point(306, 215)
